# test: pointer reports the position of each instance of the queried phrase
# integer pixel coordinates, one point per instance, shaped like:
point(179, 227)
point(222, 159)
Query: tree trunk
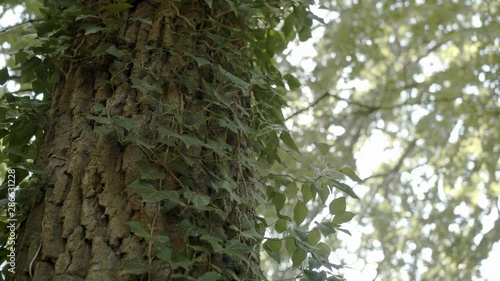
point(145, 101)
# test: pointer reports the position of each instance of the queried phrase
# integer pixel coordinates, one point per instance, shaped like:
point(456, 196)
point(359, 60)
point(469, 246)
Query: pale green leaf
point(210, 276)
point(298, 257)
point(343, 217)
point(348, 171)
point(299, 212)
point(337, 206)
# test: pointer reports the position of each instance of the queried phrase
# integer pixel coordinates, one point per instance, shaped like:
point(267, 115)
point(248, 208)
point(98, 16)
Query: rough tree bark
point(78, 230)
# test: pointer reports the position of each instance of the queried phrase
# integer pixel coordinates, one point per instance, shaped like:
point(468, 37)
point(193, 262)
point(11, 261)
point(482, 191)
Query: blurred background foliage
point(405, 92)
point(408, 92)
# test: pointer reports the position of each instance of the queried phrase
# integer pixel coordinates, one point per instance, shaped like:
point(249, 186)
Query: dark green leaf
point(114, 51)
point(288, 140)
point(279, 201)
point(345, 188)
point(4, 75)
point(292, 82)
point(118, 7)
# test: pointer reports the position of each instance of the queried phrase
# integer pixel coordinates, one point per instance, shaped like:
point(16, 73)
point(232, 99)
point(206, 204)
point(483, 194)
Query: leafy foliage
point(250, 71)
point(415, 84)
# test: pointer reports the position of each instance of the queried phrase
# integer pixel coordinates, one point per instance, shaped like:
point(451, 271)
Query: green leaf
point(148, 172)
point(146, 87)
point(322, 147)
point(305, 33)
point(337, 206)
point(343, 217)
point(275, 42)
point(236, 80)
point(273, 245)
point(290, 245)
point(165, 254)
point(209, 3)
point(189, 141)
point(202, 61)
point(200, 200)
point(4, 75)
point(324, 193)
point(279, 201)
point(138, 141)
point(118, 7)
point(288, 26)
point(292, 82)
point(114, 51)
point(299, 212)
point(210, 276)
point(348, 171)
point(287, 139)
point(345, 188)
point(298, 257)
point(313, 237)
point(281, 225)
point(314, 275)
point(135, 266)
point(324, 250)
point(138, 230)
point(327, 228)
point(150, 194)
point(306, 192)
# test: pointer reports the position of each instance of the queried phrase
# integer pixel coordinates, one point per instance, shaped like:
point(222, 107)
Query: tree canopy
point(415, 82)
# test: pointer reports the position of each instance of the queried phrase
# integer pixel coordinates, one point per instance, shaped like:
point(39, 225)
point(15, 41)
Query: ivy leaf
point(138, 230)
point(348, 171)
point(190, 140)
point(209, 3)
point(288, 140)
point(118, 7)
point(149, 173)
point(210, 276)
point(345, 188)
point(236, 80)
point(200, 200)
point(114, 51)
point(144, 86)
point(165, 254)
point(149, 193)
point(299, 212)
point(135, 266)
point(279, 201)
point(337, 206)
